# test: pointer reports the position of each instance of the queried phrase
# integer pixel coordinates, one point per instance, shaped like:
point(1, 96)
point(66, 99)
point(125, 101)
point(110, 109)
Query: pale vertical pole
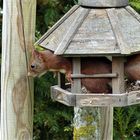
point(16, 87)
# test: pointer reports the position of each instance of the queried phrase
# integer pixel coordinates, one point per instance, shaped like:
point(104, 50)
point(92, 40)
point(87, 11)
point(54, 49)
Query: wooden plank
point(94, 36)
point(108, 75)
point(57, 24)
point(118, 85)
point(72, 30)
point(130, 28)
point(133, 12)
point(76, 86)
point(101, 100)
point(103, 3)
point(134, 98)
point(62, 96)
point(106, 123)
point(53, 40)
point(121, 43)
point(94, 99)
point(16, 87)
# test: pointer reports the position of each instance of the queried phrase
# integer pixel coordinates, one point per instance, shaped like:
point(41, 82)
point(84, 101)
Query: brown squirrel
point(132, 67)
point(43, 61)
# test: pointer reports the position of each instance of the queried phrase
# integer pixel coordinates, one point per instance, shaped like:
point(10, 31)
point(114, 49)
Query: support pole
point(16, 87)
point(86, 119)
point(91, 123)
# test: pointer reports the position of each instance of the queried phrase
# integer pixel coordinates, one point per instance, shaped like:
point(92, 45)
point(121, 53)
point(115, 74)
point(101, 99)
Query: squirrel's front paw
point(68, 77)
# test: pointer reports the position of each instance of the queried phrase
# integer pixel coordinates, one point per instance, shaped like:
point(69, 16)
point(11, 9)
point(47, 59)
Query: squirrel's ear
point(35, 53)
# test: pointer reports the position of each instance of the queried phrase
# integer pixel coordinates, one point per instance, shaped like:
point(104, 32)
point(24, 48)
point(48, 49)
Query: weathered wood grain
point(130, 29)
point(52, 38)
point(108, 75)
point(103, 3)
point(94, 100)
point(62, 96)
point(100, 33)
point(133, 12)
point(71, 32)
point(76, 86)
point(120, 42)
point(57, 24)
point(16, 87)
point(118, 85)
point(106, 123)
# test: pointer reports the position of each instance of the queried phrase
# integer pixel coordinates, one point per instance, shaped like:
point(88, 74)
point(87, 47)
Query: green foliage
point(50, 11)
point(135, 4)
point(127, 123)
point(52, 121)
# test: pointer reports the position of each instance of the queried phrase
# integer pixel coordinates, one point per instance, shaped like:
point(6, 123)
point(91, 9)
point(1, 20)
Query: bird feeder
point(95, 28)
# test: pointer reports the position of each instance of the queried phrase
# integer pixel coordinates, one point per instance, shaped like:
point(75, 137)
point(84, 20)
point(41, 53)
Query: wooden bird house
point(94, 28)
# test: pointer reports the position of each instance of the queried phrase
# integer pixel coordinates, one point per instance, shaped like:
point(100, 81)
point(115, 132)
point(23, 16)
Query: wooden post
point(16, 87)
point(117, 87)
point(106, 123)
point(118, 84)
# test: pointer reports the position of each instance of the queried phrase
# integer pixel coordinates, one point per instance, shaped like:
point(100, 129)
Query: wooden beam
point(133, 12)
point(106, 75)
point(95, 99)
point(16, 87)
point(76, 86)
point(121, 43)
point(118, 85)
point(62, 96)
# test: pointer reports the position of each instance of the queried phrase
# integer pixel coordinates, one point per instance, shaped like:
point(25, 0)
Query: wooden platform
point(82, 100)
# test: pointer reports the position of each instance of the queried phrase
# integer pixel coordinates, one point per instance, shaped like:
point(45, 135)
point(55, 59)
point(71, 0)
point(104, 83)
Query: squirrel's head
point(37, 65)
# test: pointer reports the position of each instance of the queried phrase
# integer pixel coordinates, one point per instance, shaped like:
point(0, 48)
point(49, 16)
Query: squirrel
point(132, 67)
point(43, 61)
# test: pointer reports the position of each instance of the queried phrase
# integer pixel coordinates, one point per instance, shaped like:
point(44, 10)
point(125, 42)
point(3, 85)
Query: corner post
point(16, 87)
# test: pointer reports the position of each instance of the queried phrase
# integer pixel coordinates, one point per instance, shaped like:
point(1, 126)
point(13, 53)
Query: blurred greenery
point(52, 121)
point(135, 4)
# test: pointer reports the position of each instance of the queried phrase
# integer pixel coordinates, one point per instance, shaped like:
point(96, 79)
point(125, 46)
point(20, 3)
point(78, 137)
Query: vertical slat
point(118, 85)
point(86, 119)
point(76, 86)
